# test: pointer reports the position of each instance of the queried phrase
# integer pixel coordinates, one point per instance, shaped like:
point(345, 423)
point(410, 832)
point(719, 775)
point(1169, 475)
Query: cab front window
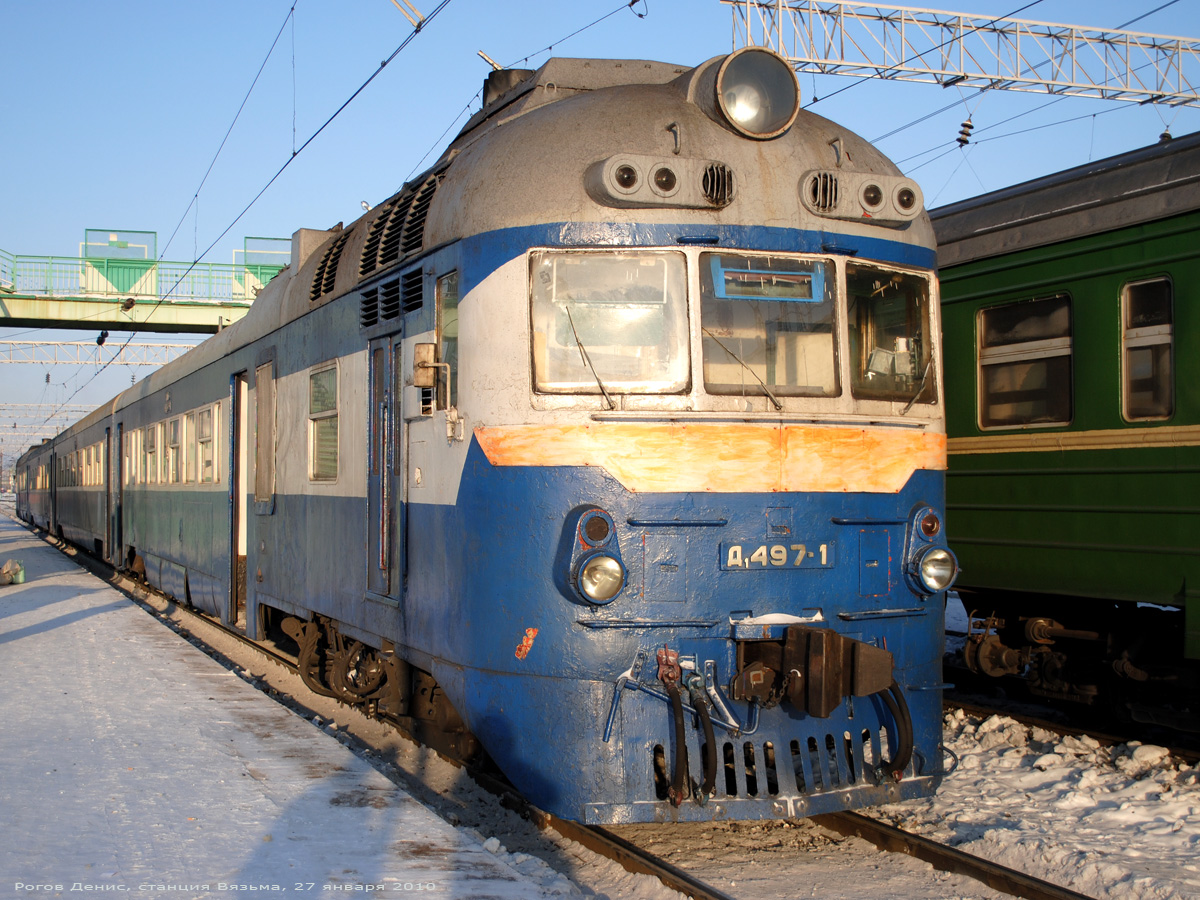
point(612, 322)
point(768, 325)
point(889, 314)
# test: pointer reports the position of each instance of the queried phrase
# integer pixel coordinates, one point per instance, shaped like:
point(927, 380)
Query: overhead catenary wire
point(196, 195)
point(947, 148)
point(524, 59)
point(194, 202)
point(295, 153)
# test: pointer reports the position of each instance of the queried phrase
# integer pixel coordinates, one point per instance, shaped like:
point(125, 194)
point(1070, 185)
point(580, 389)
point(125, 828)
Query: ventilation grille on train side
point(389, 299)
point(368, 313)
point(399, 231)
point(718, 184)
point(412, 285)
point(414, 224)
point(823, 191)
point(326, 274)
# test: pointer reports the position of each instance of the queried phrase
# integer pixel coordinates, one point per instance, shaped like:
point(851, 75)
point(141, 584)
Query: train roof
point(523, 160)
point(1140, 186)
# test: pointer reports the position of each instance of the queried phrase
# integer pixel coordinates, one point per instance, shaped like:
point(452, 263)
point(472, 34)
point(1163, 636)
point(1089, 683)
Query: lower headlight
point(937, 568)
point(601, 578)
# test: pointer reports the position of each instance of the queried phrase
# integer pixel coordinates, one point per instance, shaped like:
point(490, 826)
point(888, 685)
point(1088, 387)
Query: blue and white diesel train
point(613, 446)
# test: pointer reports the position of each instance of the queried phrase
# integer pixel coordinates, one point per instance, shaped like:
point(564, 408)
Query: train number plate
point(752, 557)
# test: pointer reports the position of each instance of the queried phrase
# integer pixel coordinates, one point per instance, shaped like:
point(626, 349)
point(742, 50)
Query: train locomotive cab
point(612, 445)
point(690, 482)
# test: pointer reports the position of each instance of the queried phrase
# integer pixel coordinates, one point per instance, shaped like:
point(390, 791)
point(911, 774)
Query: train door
point(116, 549)
point(385, 471)
point(52, 512)
point(235, 609)
point(106, 475)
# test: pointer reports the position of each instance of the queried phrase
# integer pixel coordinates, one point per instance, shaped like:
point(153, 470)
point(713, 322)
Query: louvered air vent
point(370, 254)
point(383, 303)
point(400, 231)
point(369, 308)
point(389, 300)
point(389, 246)
point(412, 289)
point(823, 191)
point(326, 275)
point(718, 184)
point(414, 224)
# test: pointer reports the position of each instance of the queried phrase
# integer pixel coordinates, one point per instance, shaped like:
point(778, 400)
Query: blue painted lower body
point(536, 672)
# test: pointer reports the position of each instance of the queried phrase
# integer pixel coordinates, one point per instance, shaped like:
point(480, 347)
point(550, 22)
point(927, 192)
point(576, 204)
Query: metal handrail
point(107, 278)
point(7, 264)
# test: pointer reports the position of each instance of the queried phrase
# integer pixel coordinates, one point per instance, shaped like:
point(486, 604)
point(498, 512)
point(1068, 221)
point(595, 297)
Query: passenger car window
point(1147, 350)
point(323, 424)
point(1025, 363)
point(205, 441)
point(264, 432)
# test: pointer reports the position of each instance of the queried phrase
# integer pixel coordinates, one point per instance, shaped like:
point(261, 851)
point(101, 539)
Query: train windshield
point(609, 322)
point(888, 314)
point(768, 325)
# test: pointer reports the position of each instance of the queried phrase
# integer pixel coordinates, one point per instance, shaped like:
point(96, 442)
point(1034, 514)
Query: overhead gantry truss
point(839, 37)
point(84, 353)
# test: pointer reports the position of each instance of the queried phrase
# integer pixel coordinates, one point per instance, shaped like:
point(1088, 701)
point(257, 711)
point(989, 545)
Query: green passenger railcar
point(1071, 309)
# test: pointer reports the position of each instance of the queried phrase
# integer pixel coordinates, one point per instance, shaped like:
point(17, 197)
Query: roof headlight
point(757, 93)
point(937, 568)
point(601, 578)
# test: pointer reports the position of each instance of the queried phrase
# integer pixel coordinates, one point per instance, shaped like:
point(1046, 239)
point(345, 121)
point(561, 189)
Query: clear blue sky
point(112, 112)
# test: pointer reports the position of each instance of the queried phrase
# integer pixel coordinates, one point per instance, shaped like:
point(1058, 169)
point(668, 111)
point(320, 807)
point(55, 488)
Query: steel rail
point(945, 858)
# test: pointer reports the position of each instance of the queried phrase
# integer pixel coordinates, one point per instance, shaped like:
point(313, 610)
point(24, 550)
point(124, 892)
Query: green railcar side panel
point(1101, 507)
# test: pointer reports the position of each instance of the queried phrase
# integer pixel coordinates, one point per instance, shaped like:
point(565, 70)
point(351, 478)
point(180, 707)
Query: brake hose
point(679, 781)
point(710, 741)
point(898, 707)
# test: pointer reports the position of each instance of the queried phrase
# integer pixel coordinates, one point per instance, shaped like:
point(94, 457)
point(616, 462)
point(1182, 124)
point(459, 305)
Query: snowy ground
point(1111, 823)
point(1120, 822)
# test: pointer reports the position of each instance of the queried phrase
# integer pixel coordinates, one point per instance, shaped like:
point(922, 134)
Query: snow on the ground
point(1110, 822)
point(1118, 822)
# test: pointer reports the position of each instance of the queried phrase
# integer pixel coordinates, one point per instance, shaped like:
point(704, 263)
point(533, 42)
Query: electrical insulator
point(964, 135)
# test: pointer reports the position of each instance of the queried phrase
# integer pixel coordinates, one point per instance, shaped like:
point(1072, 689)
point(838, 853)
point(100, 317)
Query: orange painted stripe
point(741, 458)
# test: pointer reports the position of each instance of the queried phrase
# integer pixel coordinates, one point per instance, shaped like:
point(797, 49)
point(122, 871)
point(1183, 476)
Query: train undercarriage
point(377, 681)
point(1119, 657)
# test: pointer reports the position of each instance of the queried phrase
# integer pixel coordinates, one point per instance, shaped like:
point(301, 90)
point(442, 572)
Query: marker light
point(757, 93)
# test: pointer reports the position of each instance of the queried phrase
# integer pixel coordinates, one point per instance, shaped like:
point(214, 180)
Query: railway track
point(249, 656)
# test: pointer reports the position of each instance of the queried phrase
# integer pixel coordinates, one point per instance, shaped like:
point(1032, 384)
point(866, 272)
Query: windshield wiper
point(920, 387)
point(742, 363)
point(583, 354)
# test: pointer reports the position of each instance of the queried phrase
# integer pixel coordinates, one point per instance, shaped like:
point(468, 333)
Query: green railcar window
point(1147, 350)
point(1025, 364)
